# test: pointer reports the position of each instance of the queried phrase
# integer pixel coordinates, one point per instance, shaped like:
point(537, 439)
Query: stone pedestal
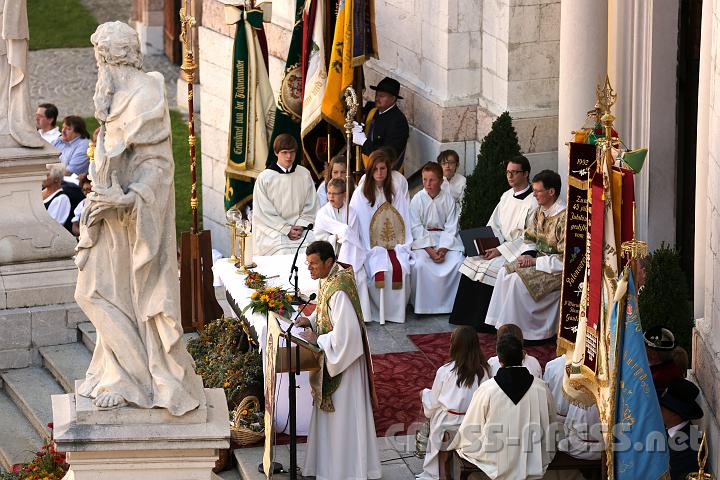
point(183, 448)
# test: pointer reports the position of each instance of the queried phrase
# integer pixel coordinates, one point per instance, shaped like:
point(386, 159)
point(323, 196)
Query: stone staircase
point(25, 407)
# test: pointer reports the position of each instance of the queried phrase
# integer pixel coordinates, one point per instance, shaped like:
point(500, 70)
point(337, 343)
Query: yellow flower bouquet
point(268, 299)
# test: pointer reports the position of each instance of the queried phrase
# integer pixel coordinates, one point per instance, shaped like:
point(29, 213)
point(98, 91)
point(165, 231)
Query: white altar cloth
point(235, 285)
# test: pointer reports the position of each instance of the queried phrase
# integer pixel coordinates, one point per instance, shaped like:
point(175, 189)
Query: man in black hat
point(678, 407)
point(385, 125)
point(660, 343)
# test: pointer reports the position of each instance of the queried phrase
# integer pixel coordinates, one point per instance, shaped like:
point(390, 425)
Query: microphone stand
point(292, 389)
point(294, 269)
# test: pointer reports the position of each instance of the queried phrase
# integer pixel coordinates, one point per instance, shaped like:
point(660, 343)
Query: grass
point(181, 153)
point(59, 24)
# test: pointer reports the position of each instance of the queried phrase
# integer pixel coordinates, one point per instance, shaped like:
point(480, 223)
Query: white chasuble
point(434, 223)
point(445, 405)
point(387, 303)
point(342, 444)
point(508, 224)
point(330, 226)
point(280, 201)
point(505, 440)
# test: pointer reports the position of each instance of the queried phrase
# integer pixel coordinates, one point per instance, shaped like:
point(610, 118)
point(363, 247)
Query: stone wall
point(148, 19)
point(706, 339)
point(460, 62)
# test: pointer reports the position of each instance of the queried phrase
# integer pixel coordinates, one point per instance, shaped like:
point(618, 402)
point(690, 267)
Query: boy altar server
point(331, 227)
point(284, 202)
point(454, 183)
point(341, 442)
point(436, 246)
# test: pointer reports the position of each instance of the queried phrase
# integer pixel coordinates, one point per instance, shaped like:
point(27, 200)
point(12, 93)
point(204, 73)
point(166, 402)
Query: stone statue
point(16, 116)
point(128, 279)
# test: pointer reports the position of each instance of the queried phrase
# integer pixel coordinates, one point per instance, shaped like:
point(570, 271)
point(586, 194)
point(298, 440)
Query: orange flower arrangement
point(273, 299)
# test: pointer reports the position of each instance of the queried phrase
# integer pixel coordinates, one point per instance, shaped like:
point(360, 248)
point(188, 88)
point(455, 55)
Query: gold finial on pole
point(701, 474)
point(351, 103)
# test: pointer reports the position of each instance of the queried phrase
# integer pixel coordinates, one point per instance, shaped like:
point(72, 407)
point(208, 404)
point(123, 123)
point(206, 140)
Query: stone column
point(148, 19)
point(642, 61)
point(583, 64)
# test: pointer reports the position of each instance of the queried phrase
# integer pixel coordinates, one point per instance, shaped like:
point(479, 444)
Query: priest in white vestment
point(507, 430)
point(453, 182)
point(387, 239)
point(448, 399)
point(527, 291)
point(437, 248)
point(341, 442)
point(508, 224)
point(284, 202)
point(332, 226)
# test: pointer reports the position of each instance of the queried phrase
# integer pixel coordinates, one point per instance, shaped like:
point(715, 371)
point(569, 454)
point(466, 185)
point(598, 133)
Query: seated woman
point(437, 249)
point(333, 225)
point(446, 402)
point(384, 230)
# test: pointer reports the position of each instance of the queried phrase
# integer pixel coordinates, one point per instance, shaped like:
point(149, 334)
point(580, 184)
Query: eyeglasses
point(448, 162)
point(542, 190)
point(512, 173)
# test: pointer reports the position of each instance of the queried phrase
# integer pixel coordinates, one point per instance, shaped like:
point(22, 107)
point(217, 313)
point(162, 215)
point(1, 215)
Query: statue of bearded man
point(128, 279)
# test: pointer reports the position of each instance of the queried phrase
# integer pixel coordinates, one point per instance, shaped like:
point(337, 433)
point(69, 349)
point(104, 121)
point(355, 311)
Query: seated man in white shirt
point(55, 201)
point(332, 225)
point(507, 430)
point(284, 202)
point(453, 182)
point(46, 120)
point(529, 362)
point(436, 245)
point(527, 291)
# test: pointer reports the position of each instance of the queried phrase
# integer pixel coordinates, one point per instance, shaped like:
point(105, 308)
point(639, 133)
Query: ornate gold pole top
point(187, 22)
point(606, 98)
point(351, 102)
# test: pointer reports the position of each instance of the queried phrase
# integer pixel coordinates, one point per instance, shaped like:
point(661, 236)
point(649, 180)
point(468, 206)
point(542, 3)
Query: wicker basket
point(241, 435)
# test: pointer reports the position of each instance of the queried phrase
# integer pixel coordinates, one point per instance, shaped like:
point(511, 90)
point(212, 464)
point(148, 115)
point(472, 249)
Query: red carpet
point(400, 377)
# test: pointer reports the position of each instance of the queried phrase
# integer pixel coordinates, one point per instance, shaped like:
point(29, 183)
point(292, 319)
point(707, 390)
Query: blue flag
point(640, 449)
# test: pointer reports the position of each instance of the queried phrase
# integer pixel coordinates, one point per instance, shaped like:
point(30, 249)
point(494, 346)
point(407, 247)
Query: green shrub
point(664, 300)
point(488, 182)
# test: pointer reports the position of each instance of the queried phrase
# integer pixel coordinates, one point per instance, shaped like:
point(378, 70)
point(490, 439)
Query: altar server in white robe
point(335, 169)
point(453, 182)
point(553, 376)
point(341, 442)
point(448, 399)
point(527, 291)
point(529, 362)
point(389, 256)
point(508, 224)
point(332, 226)
point(284, 202)
point(507, 430)
point(437, 248)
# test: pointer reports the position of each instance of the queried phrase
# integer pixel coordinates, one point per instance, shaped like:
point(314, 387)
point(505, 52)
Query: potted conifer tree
point(487, 182)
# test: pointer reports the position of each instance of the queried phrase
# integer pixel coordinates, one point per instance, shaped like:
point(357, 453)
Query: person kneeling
point(527, 291)
point(436, 246)
point(507, 428)
point(445, 404)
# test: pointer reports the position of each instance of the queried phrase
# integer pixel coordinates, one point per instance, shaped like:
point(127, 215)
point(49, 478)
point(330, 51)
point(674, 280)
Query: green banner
point(239, 189)
point(289, 111)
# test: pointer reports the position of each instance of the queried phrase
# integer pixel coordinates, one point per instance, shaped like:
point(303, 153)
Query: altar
point(277, 269)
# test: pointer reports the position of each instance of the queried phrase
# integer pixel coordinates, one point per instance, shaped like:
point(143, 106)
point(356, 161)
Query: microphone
point(312, 297)
point(293, 268)
point(309, 227)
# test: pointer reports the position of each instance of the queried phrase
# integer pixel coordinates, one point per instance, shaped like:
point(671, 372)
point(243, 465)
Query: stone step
point(87, 335)
point(30, 388)
point(67, 363)
point(18, 439)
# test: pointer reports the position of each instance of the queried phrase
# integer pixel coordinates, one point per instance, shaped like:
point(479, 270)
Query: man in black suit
point(385, 125)
point(678, 407)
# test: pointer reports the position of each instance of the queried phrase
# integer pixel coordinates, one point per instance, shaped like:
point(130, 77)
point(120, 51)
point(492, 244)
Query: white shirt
point(529, 362)
point(51, 135)
point(58, 206)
